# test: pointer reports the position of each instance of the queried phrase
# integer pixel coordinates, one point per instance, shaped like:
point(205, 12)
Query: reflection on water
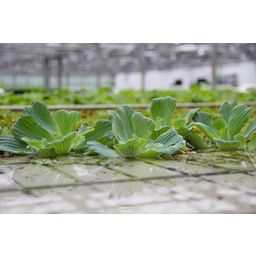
point(33, 176)
point(126, 178)
point(207, 163)
point(40, 179)
point(230, 161)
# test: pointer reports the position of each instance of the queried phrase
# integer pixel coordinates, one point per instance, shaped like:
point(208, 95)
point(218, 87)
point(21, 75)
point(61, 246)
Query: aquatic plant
point(138, 136)
point(129, 133)
point(231, 130)
point(186, 128)
point(39, 132)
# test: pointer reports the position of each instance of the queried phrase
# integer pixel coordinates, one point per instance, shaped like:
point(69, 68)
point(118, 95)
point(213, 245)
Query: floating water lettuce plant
point(130, 133)
point(232, 130)
point(39, 132)
point(138, 136)
point(190, 133)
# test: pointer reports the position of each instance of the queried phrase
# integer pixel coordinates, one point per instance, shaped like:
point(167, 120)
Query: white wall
point(246, 74)
point(245, 71)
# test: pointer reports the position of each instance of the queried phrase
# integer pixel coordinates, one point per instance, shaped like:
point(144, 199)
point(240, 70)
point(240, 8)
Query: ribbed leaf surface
point(171, 137)
point(208, 131)
point(225, 110)
point(152, 151)
point(142, 126)
point(42, 116)
point(172, 149)
point(191, 113)
point(192, 138)
point(121, 123)
point(66, 121)
point(63, 145)
point(27, 127)
point(101, 129)
point(227, 145)
point(34, 144)
point(165, 145)
point(131, 148)
point(157, 132)
point(83, 128)
point(11, 145)
point(239, 115)
point(250, 129)
point(162, 108)
point(101, 150)
point(79, 144)
point(203, 117)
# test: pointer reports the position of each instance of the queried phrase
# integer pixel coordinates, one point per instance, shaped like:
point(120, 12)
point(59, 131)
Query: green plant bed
point(130, 134)
point(106, 96)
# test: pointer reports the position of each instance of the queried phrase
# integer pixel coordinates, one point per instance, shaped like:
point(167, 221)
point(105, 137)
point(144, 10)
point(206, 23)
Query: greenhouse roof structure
point(110, 59)
point(113, 58)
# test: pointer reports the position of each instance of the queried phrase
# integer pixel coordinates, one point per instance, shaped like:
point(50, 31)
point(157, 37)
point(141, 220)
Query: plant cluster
point(129, 133)
point(232, 130)
point(106, 96)
point(39, 132)
point(140, 136)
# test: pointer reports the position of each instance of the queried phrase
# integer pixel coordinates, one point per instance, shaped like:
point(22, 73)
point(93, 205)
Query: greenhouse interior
point(127, 128)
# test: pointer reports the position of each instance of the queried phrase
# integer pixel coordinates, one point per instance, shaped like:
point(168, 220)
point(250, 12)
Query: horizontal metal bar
point(114, 106)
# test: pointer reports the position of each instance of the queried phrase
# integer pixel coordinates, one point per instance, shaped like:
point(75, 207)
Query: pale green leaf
point(142, 126)
point(157, 132)
point(227, 145)
point(101, 130)
point(79, 144)
point(250, 129)
point(27, 127)
point(171, 137)
point(83, 128)
point(159, 150)
point(180, 122)
point(152, 151)
point(192, 138)
point(101, 149)
point(131, 148)
point(203, 117)
point(12, 145)
point(121, 123)
point(172, 149)
point(171, 141)
point(208, 131)
point(225, 110)
point(238, 117)
point(251, 145)
point(42, 116)
point(66, 121)
point(64, 145)
point(162, 108)
point(34, 144)
point(218, 124)
point(241, 139)
point(191, 113)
